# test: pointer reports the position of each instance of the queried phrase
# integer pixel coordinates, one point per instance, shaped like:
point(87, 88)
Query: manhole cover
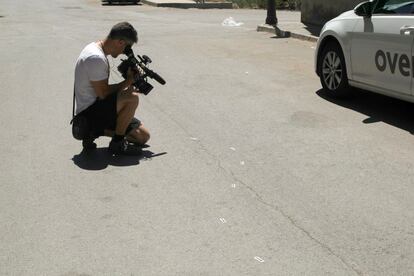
point(72, 8)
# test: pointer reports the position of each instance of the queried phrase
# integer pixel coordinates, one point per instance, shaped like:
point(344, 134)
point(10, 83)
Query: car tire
point(332, 71)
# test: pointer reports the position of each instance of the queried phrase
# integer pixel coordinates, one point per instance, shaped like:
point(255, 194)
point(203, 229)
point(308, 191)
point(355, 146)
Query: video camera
point(139, 65)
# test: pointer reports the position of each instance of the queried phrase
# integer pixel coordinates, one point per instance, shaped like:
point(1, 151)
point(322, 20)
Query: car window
point(394, 7)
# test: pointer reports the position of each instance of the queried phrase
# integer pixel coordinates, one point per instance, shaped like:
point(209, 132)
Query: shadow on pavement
point(100, 159)
point(377, 107)
point(114, 3)
point(278, 37)
point(315, 30)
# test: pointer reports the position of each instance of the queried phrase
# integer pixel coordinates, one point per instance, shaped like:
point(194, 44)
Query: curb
point(221, 5)
point(280, 33)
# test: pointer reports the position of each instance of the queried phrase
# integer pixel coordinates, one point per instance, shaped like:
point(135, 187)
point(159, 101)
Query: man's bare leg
point(139, 135)
point(127, 103)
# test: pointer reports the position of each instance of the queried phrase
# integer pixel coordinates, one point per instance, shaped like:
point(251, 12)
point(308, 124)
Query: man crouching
point(109, 109)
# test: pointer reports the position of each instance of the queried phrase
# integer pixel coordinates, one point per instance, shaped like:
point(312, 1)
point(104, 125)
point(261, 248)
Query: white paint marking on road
point(247, 73)
point(194, 138)
point(223, 220)
point(313, 47)
point(233, 186)
point(232, 148)
point(242, 163)
point(260, 260)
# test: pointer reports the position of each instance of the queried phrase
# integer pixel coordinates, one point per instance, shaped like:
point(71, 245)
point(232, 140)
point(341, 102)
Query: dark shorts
point(102, 116)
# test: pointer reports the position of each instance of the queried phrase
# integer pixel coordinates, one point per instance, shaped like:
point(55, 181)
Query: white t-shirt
point(92, 65)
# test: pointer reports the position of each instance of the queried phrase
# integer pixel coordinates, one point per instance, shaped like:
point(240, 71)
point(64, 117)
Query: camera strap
point(73, 105)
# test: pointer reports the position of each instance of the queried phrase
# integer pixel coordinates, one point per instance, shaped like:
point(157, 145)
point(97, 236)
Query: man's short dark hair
point(125, 31)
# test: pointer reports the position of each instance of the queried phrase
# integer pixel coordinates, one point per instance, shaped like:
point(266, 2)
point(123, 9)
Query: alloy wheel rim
point(332, 70)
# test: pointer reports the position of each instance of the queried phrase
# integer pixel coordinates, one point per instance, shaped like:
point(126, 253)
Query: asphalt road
point(252, 170)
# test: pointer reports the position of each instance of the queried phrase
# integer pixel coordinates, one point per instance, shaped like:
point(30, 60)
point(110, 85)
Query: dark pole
point(271, 13)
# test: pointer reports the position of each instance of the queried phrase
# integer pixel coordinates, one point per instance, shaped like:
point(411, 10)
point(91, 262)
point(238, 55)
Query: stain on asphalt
point(75, 274)
point(72, 8)
point(106, 199)
point(107, 216)
point(309, 119)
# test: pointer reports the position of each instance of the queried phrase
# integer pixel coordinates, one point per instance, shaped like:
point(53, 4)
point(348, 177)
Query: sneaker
point(141, 146)
point(88, 144)
point(123, 148)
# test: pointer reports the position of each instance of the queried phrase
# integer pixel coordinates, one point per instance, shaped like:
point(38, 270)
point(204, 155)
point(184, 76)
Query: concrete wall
point(317, 12)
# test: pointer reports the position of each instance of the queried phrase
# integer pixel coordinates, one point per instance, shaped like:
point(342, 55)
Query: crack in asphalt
point(295, 224)
point(277, 209)
point(259, 197)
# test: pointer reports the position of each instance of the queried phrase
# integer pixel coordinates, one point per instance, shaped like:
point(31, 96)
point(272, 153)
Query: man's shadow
point(101, 158)
point(377, 107)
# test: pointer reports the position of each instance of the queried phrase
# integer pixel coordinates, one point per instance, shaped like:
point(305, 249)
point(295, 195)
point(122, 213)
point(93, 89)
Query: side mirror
point(364, 9)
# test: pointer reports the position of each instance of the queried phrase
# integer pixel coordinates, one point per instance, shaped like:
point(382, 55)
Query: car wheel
point(332, 71)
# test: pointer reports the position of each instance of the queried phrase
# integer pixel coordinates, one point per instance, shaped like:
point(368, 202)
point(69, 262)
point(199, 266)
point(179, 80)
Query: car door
point(381, 47)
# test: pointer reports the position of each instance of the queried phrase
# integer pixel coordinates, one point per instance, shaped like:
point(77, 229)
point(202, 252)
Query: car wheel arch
point(326, 40)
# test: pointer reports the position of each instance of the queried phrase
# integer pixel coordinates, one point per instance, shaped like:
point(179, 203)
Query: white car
point(371, 48)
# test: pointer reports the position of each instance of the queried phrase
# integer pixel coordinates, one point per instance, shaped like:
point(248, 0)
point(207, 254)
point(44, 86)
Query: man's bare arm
point(103, 89)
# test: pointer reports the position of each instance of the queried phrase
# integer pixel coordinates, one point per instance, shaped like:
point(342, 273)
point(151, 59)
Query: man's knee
point(140, 135)
point(143, 134)
point(130, 101)
point(145, 137)
point(134, 99)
